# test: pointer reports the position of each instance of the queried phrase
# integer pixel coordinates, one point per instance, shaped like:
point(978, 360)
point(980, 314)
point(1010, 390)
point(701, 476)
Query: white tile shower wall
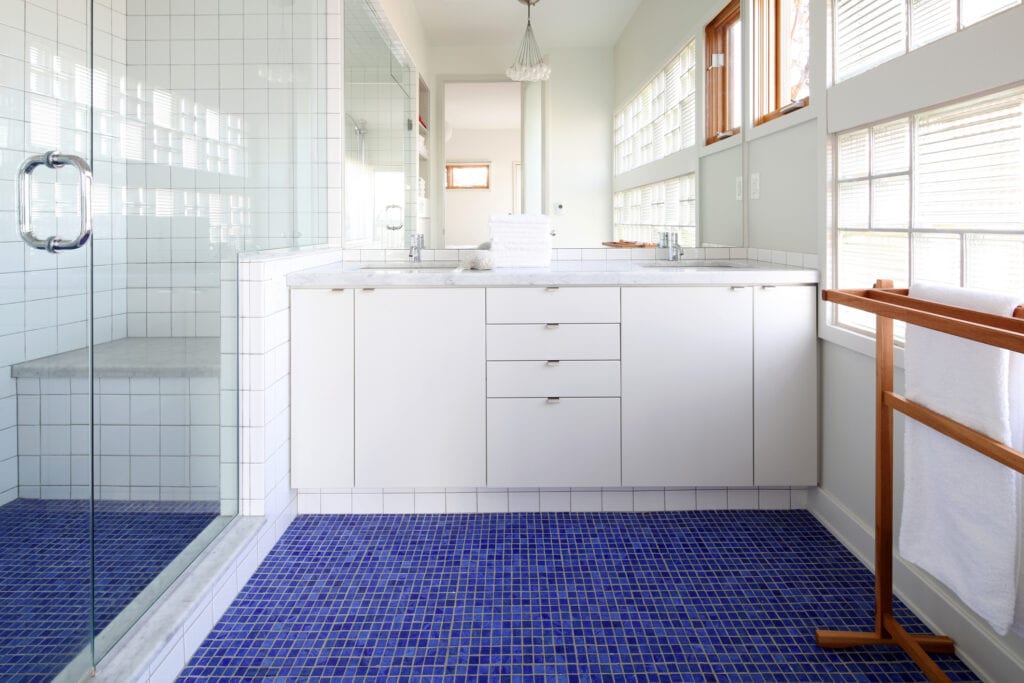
point(264, 375)
point(232, 109)
point(45, 99)
point(156, 438)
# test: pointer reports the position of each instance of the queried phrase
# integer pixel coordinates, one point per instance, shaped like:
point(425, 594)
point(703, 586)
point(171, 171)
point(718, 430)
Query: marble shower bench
point(156, 415)
point(132, 357)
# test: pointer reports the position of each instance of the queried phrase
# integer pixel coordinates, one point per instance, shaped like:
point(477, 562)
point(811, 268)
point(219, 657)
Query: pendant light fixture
point(529, 64)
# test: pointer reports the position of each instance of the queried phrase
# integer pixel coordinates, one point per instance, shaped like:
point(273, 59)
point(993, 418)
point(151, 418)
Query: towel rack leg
point(887, 630)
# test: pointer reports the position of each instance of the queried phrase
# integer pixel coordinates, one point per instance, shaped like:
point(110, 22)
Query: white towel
point(960, 518)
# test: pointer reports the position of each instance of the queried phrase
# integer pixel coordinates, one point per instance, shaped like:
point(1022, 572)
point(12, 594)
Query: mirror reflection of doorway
point(483, 128)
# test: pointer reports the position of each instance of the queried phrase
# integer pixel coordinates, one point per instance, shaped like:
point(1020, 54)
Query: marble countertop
point(560, 273)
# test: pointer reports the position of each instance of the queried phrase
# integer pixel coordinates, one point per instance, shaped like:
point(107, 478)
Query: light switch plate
point(755, 185)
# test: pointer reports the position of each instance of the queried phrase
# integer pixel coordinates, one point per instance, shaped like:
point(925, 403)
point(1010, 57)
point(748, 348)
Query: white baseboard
point(994, 658)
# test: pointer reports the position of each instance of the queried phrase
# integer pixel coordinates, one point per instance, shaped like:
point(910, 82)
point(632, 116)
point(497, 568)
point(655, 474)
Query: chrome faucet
point(670, 241)
point(415, 247)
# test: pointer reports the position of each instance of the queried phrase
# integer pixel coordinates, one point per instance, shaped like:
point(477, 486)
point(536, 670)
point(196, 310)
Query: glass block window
point(669, 206)
point(936, 196)
point(661, 119)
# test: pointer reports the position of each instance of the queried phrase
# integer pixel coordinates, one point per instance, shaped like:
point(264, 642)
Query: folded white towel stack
point(960, 518)
point(521, 240)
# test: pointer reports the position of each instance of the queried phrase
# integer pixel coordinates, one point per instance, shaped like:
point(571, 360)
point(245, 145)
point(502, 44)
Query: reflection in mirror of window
point(641, 213)
point(782, 48)
point(468, 176)
point(661, 119)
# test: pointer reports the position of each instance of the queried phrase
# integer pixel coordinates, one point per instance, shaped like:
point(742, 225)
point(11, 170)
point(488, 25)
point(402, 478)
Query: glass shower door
point(46, 90)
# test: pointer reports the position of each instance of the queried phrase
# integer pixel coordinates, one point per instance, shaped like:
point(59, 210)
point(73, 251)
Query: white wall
point(578, 129)
point(466, 212)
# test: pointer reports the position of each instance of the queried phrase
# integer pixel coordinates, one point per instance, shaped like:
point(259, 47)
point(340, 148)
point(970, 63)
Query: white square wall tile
point(523, 501)
point(742, 499)
point(585, 501)
point(335, 503)
point(492, 501)
point(460, 502)
point(429, 503)
point(554, 501)
point(773, 499)
point(684, 499)
point(648, 501)
point(367, 503)
point(712, 499)
point(617, 501)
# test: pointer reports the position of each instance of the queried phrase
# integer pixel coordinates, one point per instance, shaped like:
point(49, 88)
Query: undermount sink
point(698, 265)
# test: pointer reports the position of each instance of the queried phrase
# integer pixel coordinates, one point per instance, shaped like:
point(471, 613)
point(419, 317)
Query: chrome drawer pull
point(553, 399)
point(552, 363)
point(552, 326)
point(551, 289)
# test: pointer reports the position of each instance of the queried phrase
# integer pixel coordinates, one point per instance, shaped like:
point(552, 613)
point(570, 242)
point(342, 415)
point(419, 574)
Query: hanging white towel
point(960, 518)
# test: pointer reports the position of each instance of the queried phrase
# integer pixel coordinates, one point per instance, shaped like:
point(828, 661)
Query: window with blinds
point(662, 118)
point(937, 196)
point(641, 213)
point(870, 32)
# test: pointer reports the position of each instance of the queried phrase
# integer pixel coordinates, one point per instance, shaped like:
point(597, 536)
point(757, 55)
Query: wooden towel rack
point(889, 304)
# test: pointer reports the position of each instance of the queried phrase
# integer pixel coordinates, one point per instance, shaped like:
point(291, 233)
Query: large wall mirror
point(491, 156)
point(379, 142)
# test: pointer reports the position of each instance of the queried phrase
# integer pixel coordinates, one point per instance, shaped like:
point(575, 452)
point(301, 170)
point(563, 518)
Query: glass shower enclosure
point(143, 146)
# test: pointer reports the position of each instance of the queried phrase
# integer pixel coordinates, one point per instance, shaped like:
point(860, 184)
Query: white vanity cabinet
point(420, 388)
point(553, 387)
point(719, 386)
point(322, 378)
point(687, 382)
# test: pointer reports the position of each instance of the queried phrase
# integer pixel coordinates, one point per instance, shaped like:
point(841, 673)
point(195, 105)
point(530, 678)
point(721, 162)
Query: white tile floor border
point(437, 501)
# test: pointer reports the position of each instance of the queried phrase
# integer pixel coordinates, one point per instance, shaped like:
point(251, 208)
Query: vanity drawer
point(553, 305)
point(524, 379)
point(535, 442)
point(552, 342)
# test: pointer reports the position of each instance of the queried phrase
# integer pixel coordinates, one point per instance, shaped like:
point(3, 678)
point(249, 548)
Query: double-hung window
point(723, 82)
point(782, 49)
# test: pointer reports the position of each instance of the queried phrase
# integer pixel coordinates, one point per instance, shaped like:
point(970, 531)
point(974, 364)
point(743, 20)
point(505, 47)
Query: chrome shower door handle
point(54, 160)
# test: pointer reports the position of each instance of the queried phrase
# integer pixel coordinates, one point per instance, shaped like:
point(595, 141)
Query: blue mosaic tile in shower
point(44, 572)
point(723, 596)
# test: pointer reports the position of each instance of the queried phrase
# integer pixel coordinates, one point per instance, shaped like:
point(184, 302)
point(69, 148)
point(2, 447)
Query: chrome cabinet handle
point(53, 160)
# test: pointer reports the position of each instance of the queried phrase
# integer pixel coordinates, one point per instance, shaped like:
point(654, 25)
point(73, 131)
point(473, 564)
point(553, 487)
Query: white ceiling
point(557, 23)
point(482, 106)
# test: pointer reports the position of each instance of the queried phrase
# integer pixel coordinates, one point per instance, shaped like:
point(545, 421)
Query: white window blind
point(661, 119)
point(870, 32)
point(669, 206)
point(937, 196)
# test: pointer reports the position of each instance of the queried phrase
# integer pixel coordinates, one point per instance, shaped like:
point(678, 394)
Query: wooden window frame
point(448, 172)
point(716, 80)
point(768, 104)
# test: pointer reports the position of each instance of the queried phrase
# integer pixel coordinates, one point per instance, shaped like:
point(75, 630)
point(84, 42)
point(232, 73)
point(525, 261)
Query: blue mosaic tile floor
point(679, 596)
point(44, 572)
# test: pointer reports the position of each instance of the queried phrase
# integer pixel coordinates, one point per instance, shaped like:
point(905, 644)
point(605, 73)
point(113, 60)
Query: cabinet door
point(785, 386)
point(420, 387)
point(322, 400)
point(548, 442)
point(687, 416)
